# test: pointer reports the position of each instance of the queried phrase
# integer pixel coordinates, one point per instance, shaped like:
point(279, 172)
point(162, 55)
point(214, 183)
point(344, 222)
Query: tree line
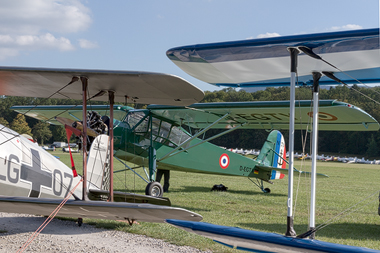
point(358, 143)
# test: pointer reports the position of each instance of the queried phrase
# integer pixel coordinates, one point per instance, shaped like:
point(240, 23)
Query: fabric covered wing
point(333, 115)
point(96, 209)
point(266, 62)
point(49, 113)
point(256, 241)
point(142, 87)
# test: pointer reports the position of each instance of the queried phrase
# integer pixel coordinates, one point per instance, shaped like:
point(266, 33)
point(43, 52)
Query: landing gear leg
point(260, 183)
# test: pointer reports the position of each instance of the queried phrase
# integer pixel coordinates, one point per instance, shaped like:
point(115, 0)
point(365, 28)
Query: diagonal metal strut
point(193, 137)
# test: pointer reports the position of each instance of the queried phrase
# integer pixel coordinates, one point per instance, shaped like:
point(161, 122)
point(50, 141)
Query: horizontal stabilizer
point(285, 171)
point(96, 209)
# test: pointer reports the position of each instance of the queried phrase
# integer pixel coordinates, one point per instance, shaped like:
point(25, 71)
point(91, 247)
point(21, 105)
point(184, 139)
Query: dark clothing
point(166, 174)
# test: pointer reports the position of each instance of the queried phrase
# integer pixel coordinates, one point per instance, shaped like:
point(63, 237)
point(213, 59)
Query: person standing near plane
point(166, 174)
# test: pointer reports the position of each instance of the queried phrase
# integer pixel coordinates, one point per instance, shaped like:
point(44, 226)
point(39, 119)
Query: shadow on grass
point(257, 193)
point(191, 189)
point(337, 230)
point(208, 189)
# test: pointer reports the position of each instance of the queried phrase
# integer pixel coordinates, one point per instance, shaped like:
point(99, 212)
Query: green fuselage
point(132, 142)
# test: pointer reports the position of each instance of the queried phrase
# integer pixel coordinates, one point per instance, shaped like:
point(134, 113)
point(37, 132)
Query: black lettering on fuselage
point(245, 168)
point(15, 170)
point(36, 175)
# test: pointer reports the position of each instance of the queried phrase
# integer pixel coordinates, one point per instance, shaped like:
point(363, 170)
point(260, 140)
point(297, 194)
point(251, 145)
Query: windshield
point(137, 121)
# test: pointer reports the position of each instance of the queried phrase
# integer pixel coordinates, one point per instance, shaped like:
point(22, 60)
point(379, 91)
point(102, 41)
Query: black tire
point(154, 189)
point(266, 190)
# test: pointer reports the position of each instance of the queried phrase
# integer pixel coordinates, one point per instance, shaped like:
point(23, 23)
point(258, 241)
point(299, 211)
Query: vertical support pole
point(152, 163)
point(84, 81)
point(111, 96)
point(152, 154)
point(293, 71)
point(316, 77)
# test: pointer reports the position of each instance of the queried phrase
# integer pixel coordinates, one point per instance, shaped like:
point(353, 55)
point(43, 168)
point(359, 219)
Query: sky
point(135, 35)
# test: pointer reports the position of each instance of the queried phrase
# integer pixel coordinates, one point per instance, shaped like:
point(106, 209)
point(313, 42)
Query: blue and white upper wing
point(266, 62)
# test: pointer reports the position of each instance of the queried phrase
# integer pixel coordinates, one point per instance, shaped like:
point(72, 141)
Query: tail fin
point(98, 161)
point(273, 152)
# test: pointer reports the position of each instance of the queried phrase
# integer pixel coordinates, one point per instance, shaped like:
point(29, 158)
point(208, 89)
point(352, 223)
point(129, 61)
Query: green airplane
point(169, 137)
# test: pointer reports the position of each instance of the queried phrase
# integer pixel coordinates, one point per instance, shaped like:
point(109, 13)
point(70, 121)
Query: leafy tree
point(20, 125)
point(41, 132)
point(4, 122)
point(59, 133)
point(372, 150)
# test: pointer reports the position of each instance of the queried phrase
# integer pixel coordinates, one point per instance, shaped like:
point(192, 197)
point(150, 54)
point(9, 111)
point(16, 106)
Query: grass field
point(245, 206)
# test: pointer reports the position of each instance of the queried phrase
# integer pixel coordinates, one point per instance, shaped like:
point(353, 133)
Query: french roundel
point(224, 161)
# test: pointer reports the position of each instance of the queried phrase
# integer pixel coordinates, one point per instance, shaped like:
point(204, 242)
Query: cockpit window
point(137, 121)
point(177, 136)
point(168, 134)
point(162, 131)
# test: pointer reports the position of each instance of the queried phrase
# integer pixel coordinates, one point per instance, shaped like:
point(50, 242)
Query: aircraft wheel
point(154, 189)
point(266, 190)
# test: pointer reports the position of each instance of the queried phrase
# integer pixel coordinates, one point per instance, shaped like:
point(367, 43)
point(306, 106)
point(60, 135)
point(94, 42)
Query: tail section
point(273, 153)
point(98, 161)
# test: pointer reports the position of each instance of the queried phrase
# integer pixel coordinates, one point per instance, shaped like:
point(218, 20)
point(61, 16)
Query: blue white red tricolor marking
point(280, 155)
point(224, 161)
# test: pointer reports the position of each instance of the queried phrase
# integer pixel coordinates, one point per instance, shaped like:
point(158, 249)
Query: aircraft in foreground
point(324, 59)
point(35, 182)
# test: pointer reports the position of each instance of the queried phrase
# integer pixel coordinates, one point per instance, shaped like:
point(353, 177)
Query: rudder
point(98, 161)
point(273, 152)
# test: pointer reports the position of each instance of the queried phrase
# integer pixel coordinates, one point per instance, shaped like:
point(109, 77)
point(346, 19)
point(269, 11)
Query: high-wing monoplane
point(173, 133)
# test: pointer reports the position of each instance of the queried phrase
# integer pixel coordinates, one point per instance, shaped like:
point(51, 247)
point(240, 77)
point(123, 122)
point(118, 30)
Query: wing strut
point(293, 72)
point(207, 140)
point(316, 77)
point(193, 137)
point(111, 96)
point(84, 81)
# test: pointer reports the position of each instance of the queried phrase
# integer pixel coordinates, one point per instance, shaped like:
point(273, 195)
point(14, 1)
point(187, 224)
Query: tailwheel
point(154, 189)
point(260, 183)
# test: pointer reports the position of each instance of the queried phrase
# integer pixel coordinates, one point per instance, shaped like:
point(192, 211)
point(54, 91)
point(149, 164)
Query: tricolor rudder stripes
point(280, 152)
point(273, 152)
point(277, 175)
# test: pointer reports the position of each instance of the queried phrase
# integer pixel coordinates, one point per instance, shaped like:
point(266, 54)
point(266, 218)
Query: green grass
point(245, 206)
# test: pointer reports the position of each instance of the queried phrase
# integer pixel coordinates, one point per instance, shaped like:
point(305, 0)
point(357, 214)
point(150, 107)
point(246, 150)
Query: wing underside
point(131, 86)
point(49, 113)
point(333, 115)
point(266, 62)
point(96, 209)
